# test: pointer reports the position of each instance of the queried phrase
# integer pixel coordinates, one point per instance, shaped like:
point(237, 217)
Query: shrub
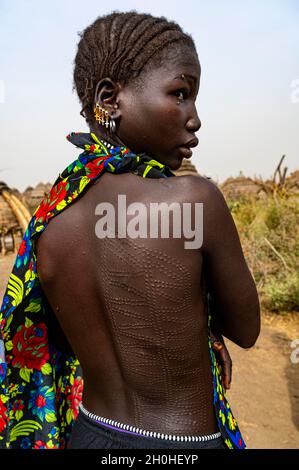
point(269, 234)
point(281, 294)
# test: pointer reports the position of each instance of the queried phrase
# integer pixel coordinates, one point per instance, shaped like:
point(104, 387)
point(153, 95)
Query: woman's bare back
point(133, 310)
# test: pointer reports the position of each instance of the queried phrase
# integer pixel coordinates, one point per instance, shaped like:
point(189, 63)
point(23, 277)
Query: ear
point(106, 94)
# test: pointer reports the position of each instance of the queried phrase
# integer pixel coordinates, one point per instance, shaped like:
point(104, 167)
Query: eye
point(182, 92)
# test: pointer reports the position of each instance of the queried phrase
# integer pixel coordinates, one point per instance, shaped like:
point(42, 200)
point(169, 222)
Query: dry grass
point(269, 229)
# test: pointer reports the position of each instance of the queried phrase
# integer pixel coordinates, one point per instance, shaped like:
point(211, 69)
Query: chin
point(173, 162)
point(176, 164)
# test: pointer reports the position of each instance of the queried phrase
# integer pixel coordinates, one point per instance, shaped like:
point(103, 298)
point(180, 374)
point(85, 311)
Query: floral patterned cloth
point(41, 382)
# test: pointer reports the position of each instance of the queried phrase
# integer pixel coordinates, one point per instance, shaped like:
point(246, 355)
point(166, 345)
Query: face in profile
point(160, 116)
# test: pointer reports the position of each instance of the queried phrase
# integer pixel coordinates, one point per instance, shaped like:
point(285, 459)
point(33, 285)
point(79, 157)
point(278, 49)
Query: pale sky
point(248, 101)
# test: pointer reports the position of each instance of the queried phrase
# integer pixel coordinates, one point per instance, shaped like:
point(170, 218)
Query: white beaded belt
point(158, 435)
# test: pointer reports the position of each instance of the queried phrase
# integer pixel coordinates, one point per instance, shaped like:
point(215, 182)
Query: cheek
point(163, 111)
point(152, 122)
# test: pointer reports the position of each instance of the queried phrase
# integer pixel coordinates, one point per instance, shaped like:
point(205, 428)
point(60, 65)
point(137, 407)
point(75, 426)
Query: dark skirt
point(89, 434)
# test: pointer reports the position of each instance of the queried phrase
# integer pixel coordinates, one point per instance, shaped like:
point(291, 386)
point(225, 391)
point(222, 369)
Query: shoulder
point(202, 189)
point(50, 245)
point(215, 211)
point(45, 252)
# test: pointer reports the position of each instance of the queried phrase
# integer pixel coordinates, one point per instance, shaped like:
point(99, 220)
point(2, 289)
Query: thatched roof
point(292, 182)
point(8, 219)
point(34, 196)
point(241, 186)
point(186, 168)
point(13, 213)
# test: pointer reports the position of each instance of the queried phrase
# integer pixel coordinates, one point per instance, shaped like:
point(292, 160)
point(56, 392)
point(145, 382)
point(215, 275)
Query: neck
point(101, 135)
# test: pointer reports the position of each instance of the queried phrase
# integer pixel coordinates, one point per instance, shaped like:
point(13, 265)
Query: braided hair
point(121, 45)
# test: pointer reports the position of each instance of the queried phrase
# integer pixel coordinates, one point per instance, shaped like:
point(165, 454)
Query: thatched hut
point(32, 197)
point(14, 218)
point(292, 183)
point(242, 186)
point(186, 168)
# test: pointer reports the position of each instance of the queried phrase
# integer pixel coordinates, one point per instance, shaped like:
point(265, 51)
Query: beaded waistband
point(110, 423)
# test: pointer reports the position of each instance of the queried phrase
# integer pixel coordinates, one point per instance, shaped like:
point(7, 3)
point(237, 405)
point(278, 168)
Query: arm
point(220, 350)
point(229, 281)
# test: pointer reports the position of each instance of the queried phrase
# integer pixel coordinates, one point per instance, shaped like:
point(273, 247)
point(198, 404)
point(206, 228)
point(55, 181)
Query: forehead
point(174, 65)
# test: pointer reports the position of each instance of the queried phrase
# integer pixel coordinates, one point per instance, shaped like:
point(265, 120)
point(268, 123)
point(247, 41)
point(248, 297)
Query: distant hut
point(34, 196)
point(242, 186)
point(14, 218)
point(292, 183)
point(186, 168)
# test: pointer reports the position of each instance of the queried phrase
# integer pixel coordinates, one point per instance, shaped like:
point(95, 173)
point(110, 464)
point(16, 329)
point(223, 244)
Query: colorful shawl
point(41, 384)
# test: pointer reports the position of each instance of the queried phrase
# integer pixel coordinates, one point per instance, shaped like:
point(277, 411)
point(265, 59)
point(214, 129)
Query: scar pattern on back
point(149, 308)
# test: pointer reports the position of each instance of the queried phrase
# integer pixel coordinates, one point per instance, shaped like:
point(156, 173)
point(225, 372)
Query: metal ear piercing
point(112, 126)
point(101, 115)
point(112, 121)
point(103, 118)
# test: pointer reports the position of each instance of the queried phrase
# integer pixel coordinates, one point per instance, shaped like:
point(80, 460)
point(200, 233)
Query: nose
point(193, 123)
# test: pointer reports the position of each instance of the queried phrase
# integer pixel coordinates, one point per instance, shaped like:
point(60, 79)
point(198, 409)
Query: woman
point(132, 311)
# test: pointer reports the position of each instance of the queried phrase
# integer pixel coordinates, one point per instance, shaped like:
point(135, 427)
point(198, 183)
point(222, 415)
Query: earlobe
point(116, 111)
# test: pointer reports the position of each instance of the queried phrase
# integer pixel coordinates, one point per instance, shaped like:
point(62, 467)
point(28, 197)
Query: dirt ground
point(264, 394)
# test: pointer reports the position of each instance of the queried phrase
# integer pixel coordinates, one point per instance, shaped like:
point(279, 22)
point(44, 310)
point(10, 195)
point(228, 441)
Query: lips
point(191, 143)
point(185, 149)
point(185, 152)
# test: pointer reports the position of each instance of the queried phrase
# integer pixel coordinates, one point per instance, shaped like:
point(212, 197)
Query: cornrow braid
point(121, 45)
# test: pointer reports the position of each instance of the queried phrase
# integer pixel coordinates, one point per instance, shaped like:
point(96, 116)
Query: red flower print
point(93, 169)
point(30, 347)
point(56, 195)
point(3, 416)
point(43, 445)
point(75, 397)
point(22, 248)
point(40, 401)
point(43, 209)
point(40, 445)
